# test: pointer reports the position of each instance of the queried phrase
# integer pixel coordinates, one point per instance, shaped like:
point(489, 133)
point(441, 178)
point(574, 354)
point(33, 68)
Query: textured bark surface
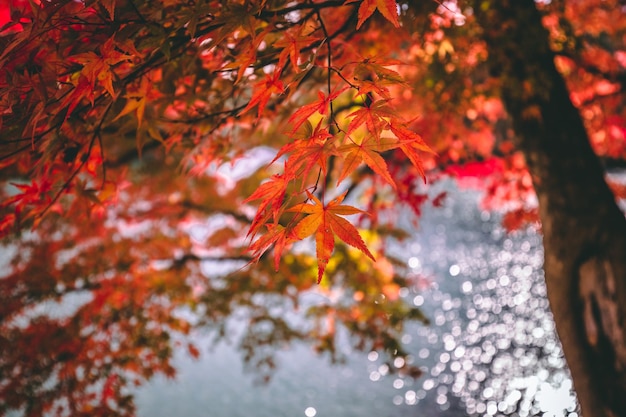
point(584, 230)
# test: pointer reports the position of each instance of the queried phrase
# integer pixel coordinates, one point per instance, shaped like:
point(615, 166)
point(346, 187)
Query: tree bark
point(584, 231)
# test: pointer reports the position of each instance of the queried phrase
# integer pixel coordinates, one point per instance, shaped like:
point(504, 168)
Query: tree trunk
point(584, 232)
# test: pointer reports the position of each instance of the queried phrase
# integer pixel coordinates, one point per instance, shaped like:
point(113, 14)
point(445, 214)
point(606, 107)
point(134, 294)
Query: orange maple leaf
point(97, 70)
point(97, 67)
point(326, 222)
point(388, 8)
point(372, 75)
point(367, 151)
point(138, 97)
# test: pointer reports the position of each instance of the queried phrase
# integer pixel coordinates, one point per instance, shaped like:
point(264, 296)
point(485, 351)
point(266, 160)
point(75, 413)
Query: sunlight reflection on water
point(492, 343)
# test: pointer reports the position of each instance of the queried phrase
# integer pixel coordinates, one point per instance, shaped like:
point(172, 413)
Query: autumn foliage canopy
point(143, 140)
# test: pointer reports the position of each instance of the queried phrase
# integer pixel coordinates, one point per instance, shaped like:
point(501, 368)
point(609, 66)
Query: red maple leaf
point(271, 194)
point(277, 235)
point(321, 105)
point(292, 46)
point(263, 90)
point(306, 153)
point(388, 8)
point(410, 143)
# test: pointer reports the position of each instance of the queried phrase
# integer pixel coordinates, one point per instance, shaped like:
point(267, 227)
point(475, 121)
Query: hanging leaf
point(326, 222)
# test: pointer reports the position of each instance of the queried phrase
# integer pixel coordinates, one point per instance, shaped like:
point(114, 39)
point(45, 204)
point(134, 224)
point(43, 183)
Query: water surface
point(490, 350)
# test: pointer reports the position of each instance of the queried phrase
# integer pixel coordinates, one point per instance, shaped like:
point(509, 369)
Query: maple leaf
point(138, 97)
point(248, 56)
point(82, 89)
point(292, 45)
point(277, 235)
point(263, 90)
point(374, 68)
point(306, 153)
point(321, 106)
point(97, 68)
point(388, 8)
point(236, 18)
point(271, 194)
point(372, 75)
point(367, 151)
point(326, 222)
point(109, 5)
point(373, 117)
point(367, 87)
point(30, 194)
point(410, 142)
point(244, 60)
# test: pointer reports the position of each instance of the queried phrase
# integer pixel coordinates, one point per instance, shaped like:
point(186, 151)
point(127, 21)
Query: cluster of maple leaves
point(311, 153)
point(102, 105)
point(119, 79)
point(73, 73)
point(117, 117)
